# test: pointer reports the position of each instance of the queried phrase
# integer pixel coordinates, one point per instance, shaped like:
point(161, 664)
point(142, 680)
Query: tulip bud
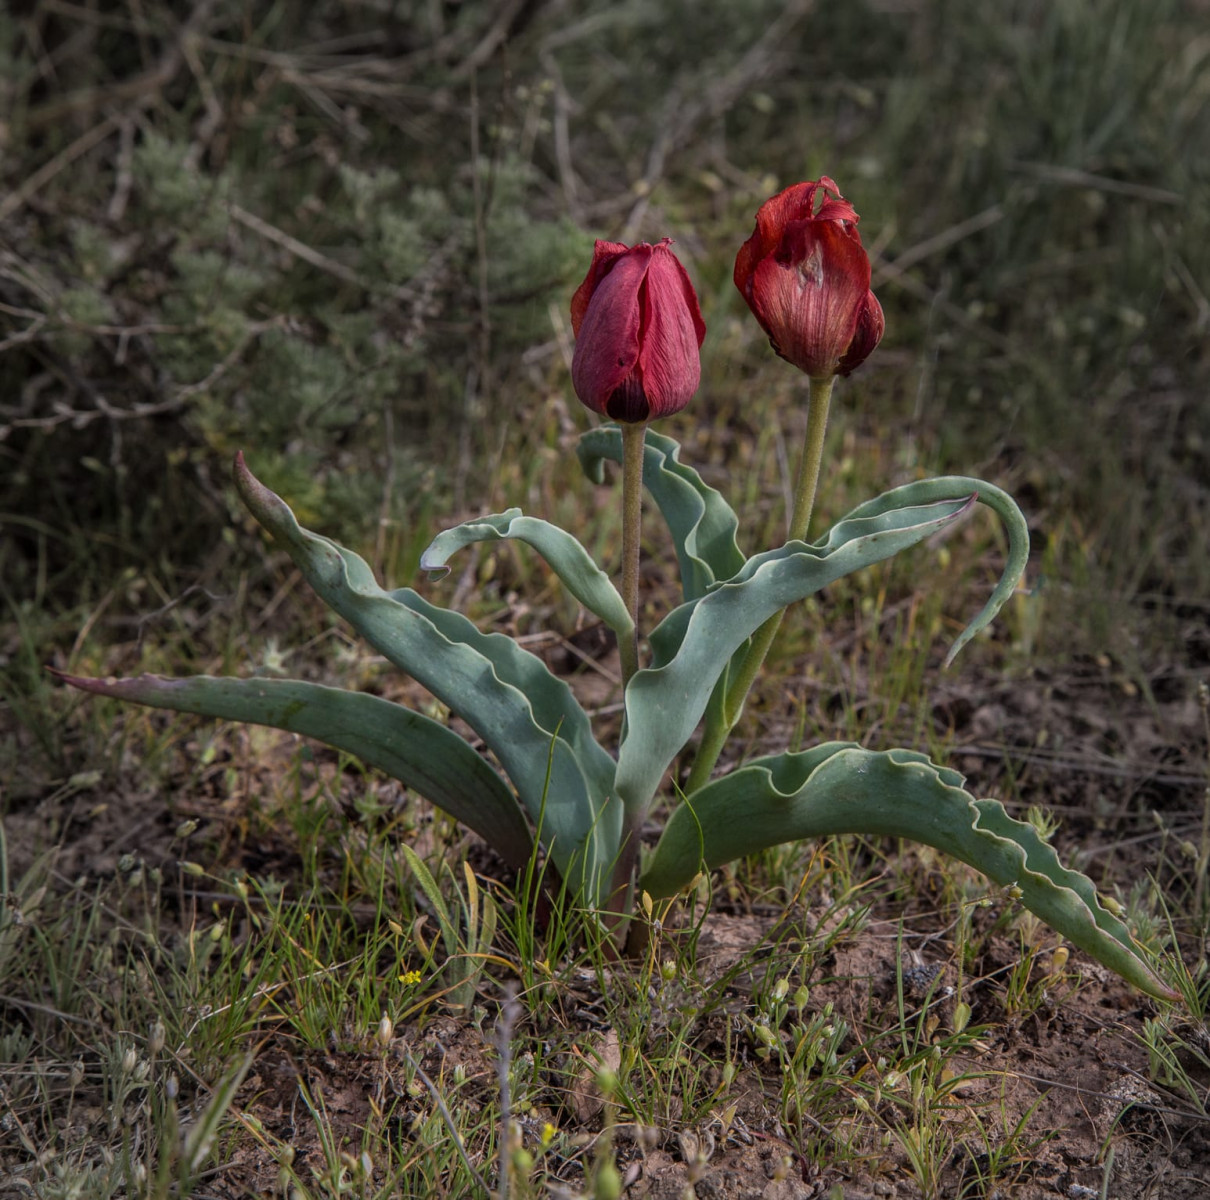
point(806, 278)
point(638, 329)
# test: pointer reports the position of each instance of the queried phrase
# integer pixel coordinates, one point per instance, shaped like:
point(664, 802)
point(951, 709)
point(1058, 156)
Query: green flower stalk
point(723, 718)
point(806, 277)
point(632, 529)
point(638, 331)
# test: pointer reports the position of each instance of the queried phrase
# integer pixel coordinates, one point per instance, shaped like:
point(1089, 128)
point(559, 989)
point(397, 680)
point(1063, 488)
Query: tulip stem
point(819, 398)
point(723, 717)
point(633, 436)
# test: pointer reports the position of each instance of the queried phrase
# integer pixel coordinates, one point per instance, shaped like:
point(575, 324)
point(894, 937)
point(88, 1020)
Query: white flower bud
point(385, 1031)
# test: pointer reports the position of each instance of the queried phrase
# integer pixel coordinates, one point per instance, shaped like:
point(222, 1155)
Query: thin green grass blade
point(428, 885)
point(201, 1135)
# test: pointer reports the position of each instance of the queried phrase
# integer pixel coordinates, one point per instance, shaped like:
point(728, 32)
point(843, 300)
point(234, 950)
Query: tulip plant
point(553, 787)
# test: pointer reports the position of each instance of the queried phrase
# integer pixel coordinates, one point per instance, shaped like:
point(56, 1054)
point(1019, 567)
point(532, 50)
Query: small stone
point(787, 1189)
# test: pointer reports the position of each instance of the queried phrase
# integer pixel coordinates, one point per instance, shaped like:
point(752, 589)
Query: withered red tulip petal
point(796, 203)
point(870, 327)
point(771, 220)
point(806, 279)
point(809, 294)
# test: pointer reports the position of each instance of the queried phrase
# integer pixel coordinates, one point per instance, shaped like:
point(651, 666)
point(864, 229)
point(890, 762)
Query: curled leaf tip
point(1157, 988)
point(953, 652)
point(1018, 535)
point(266, 506)
point(244, 479)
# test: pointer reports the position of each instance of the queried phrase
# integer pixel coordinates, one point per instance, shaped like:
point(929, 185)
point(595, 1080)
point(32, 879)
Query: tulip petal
point(672, 331)
point(870, 326)
point(796, 203)
point(604, 256)
point(810, 294)
point(806, 279)
point(690, 296)
point(607, 343)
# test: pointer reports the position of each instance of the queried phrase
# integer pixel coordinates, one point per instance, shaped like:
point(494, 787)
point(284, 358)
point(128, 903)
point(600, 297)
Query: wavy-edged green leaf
point(565, 555)
point(692, 645)
point(949, 487)
point(416, 750)
point(702, 523)
point(527, 717)
point(554, 706)
point(840, 788)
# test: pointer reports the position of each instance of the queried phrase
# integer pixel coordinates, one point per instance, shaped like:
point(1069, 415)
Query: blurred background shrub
point(342, 236)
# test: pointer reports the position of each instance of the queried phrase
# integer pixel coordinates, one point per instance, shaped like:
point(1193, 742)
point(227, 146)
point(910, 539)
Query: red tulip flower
point(638, 330)
point(806, 278)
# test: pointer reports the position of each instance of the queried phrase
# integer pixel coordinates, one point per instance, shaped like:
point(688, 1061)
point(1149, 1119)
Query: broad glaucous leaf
point(527, 717)
point(418, 751)
point(693, 644)
point(565, 555)
point(940, 490)
point(702, 524)
point(839, 788)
